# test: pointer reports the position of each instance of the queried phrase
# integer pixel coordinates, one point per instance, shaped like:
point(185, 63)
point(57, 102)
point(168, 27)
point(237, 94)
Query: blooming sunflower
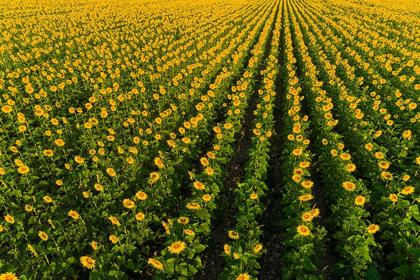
point(198, 185)
point(372, 228)
point(243, 276)
point(9, 219)
point(232, 234)
point(360, 200)
point(258, 248)
point(155, 263)
point(303, 230)
point(349, 186)
point(407, 190)
point(114, 221)
point(23, 169)
point(73, 214)
point(128, 203)
point(226, 248)
point(140, 216)
point(43, 235)
point(8, 276)
point(87, 262)
point(177, 247)
point(193, 206)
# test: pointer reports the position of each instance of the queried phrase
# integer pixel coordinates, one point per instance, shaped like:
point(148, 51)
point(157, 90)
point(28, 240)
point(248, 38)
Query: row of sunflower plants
point(242, 253)
point(346, 196)
point(186, 234)
point(302, 238)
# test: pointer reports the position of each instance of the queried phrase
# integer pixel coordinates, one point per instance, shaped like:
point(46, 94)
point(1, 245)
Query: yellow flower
point(128, 203)
point(305, 197)
point(243, 276)
point(183, 220)
point(111, 172)
point(114, 221)
point(198, 185)
point(43, 235)
point(176, 247)
point(8, 276)
point(407, 190)
point(258, 248)
point(23, 169)
point(349, 186)
point(206, 197)
point(113, 239)
point(140, 216)
point(87, 262)
point(372, 228)
point(307, 217)
point(141, 195)
point(193, 206)
point(9, 219)
point(73, 214)
point(94, 245)
point(226, 248)
point(307, 184)
point(32, 249)
point(393, 198)
point(154, 176)
point(232, 234)
point(189, 232)
point(360, 200)
point(6, 109)
point(155, 263)
point(303, 230)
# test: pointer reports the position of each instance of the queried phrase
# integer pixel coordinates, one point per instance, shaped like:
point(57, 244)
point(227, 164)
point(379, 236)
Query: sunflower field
point(209, 139)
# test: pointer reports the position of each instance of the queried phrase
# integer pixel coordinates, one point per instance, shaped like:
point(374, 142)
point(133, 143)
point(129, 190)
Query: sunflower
point(314, 212)
point(59, 142)
point(254, 196)
point(32, 249)
point(407, 190)
point(9, 219)
point(140, 216)
point(209, 171)
point(8, 276)
point(349, 186)
point(199, 186)
point(87, 262)
point(177, 247)
point(94, 245)
point(111, 172)
point(258, 248)
point(183, 220)
point(383, 165)
point(6, 109)
point(23, 169)
point(141, 195)
point(232, 234)
point(206, 197)
point(360, 200)
point(113, 239)
point(193, 206)
point(393, 198)
point(114, 221)
point(47, 199)
point(155, 263)
point(159, 163)
point(243, 276)
point(387, 176)
point(128, 203)
point(307, 217)
point(189, 232)
point(305, 197)
point(154, 176)
point(307, 184)
point(226, 248)
point(73, 214)
point(303, 230)
point(373, 228)
point(43, 235)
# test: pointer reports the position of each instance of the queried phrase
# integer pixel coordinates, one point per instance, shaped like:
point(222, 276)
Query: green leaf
point(404, 270)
